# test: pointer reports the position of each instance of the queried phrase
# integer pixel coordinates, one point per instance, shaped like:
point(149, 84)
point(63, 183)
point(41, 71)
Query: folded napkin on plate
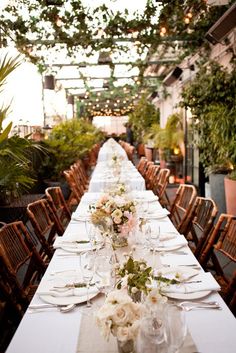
point(177, 242)
point(208, 283)
point(157, 214)
point(80, 217)
point(168, 236)
point(71, 244)
point(77, 292)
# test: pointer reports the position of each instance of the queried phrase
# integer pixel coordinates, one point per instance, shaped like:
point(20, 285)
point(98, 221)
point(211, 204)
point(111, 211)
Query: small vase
point(118, 241)
point(136, 297)
point(126, 346)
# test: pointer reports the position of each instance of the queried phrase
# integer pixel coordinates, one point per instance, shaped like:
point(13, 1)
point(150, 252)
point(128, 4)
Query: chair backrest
point(222, 239)
point(22, 264)
point(76, 191)
point(181, 207)
point(58, 204)
point(45, 223)
point(160, 186)
point(201, 221)
point(142, 165)
point(153, 176)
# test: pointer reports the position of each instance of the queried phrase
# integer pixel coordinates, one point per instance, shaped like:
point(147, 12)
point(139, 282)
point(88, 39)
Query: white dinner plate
point(187, 296)
point(57, 297)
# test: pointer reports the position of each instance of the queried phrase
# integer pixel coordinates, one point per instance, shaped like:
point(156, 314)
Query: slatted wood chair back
point(160, 187)
point(142, 165)
point(201, 221)
point(58, 204)
point(222, 239)
point(223, 233)
point(153, 176)
point(22, 263)
point(181, 207)
point(148, 171)
point(76, 192)
point(79, 177)
point(130, 152)
point(45, 223)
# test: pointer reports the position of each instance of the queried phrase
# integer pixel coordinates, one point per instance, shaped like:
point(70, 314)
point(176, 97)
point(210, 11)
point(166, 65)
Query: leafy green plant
point(211, 98)
point(68, 142)
point(138, 275)
point(142, 118)
point(16, 175)
point(169, 137)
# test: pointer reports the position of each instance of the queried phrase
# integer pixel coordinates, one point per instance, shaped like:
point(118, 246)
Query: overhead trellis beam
point(150, 62)
point(105, 78)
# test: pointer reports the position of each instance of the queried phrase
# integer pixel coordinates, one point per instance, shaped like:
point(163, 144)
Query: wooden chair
point(160, 186)
point(23, 267)
point(153, 176)
point(202, 217)
point(58, 204)
point(76, 190)
point(46, 225)
point(142, 165)
point(180, 210)
point(222, 240)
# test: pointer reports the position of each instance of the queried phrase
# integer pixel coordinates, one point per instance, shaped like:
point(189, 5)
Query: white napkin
point(175, 243)
point(159, 213)
point(208, 283)
point(78, 292)
point(168, 236)
point(71, 246)
point(80, 217)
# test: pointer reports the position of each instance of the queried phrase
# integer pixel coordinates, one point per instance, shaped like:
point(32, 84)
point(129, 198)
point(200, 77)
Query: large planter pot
point(217, 190)
point(230, 195)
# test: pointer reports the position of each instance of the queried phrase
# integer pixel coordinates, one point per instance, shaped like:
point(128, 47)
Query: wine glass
point(88, 273)
point(175, 328)
point(103, 268)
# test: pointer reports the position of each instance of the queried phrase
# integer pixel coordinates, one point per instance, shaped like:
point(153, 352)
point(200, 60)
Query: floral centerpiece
point(136, 276)
point(116, 216)
point(120, 317)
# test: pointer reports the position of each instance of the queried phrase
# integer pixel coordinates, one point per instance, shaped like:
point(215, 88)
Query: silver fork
point(187, 306)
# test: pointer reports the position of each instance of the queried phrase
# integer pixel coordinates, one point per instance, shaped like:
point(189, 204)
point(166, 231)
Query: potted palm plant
point(16, 169)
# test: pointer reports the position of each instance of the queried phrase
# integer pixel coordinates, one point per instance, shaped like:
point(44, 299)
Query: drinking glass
point(151, 336)
point(103, 269)
point(88, 273)
point(175, 328)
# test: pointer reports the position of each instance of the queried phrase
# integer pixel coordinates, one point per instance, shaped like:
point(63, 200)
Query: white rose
point(118, 297)
point(123, 314)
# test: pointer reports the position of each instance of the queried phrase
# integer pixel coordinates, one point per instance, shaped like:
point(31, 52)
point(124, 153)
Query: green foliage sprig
point(138, 275)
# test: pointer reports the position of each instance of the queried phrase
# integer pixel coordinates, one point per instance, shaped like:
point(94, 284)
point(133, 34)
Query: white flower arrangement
point(119, 316)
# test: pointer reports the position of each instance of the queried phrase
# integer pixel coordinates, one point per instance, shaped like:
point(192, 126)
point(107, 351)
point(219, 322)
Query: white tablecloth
point(54, 332)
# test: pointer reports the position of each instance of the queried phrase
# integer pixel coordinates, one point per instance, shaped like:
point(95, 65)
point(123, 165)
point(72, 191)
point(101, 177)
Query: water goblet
point(175, 328)
point(88, 273)
point(103, 268)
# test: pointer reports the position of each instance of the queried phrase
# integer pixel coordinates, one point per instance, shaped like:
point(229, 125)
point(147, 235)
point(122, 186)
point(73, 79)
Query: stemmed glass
point(103, 268)
point(88, 273)
point(175, 328)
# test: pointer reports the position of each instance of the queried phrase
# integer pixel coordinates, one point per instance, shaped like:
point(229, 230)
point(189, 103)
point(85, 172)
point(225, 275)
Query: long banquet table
point(50, 331)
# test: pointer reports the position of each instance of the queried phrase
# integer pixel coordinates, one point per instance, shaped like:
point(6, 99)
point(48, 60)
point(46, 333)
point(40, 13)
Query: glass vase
point(126, 346)
point(118, 241)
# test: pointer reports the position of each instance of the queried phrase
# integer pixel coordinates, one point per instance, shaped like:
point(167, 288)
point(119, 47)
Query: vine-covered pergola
point(55, 34)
